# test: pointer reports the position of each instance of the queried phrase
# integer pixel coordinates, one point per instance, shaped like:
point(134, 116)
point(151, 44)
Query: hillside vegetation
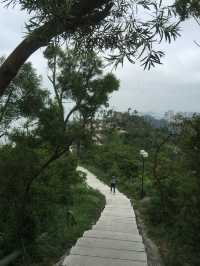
point(45, 204)
point(170, 208)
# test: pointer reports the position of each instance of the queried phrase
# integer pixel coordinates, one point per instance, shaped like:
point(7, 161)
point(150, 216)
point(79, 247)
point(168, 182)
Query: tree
point(78, 79)
point(23, 99)
point(104, 25)
point(187, 8)
point(19, 111)
point(36, 163)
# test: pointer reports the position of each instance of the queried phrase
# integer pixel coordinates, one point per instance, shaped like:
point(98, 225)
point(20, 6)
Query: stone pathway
point(114, 240)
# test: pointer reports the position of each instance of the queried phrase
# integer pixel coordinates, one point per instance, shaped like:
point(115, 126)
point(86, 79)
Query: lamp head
point(144, 154)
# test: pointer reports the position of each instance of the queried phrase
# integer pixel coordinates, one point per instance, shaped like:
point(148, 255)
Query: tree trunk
point(37, 39)
point(156, 177)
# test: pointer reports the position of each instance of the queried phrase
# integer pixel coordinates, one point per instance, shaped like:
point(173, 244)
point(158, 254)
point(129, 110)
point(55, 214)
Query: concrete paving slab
point(117, 223)
point(115, 228)
point(120, 214)
point(109, 253)
point(117, 209)
point(113, 235)
point(116, 219)
point(77, 260)
point(112, 244)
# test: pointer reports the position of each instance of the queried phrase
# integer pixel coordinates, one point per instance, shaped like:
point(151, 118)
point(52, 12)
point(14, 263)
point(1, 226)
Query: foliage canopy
point(120, 29)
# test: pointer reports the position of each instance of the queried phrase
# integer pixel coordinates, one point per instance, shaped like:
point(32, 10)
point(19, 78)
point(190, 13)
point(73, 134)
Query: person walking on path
point(113, 184)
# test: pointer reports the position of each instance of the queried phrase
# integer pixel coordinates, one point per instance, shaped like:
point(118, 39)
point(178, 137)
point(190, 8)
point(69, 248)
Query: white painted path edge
point(114, 240)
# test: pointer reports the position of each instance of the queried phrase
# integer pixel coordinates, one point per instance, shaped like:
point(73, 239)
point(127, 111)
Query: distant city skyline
point(168, 115)
point(158, 114)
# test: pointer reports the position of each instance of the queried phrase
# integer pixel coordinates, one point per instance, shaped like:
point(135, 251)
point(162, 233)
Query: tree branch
point(10, 258)
point(75, 108)
point(41, 36)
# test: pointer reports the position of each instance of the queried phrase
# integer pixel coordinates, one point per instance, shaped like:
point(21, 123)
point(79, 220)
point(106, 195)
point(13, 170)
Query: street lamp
point(143, 155)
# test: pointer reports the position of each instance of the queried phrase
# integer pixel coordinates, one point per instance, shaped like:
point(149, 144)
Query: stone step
point(77, 260)
point(109, 253)
point(109, 243)
point(116, 219)
point(117, 228)
point(117, 223)
point(113, 235)
point(119, 214)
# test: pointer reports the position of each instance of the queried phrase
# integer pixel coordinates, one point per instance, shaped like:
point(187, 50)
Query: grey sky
point(173, 85)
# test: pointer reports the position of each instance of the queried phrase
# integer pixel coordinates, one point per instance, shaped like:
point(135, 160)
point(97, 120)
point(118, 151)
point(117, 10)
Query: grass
point(87, 207)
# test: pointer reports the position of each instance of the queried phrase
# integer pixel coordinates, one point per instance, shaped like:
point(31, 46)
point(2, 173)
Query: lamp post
point(143, 155)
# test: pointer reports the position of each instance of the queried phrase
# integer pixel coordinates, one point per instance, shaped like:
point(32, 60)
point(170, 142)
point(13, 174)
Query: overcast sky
point(175, 85)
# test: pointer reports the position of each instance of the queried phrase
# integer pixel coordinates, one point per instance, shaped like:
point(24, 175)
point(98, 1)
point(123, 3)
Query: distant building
point(169, 116)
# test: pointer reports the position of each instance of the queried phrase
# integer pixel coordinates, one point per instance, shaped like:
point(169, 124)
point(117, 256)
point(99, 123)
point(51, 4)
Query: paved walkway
point(114, 240)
